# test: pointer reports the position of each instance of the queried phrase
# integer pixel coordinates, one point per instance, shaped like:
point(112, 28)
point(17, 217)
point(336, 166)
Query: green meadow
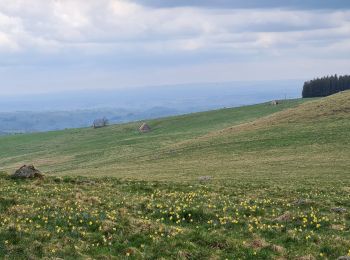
point(254, 182)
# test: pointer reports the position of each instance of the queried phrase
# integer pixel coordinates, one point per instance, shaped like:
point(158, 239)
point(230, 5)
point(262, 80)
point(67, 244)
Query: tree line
point(325, 86)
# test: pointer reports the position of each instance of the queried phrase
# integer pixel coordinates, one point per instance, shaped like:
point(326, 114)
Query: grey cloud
point(119, 37)
point(295, 4)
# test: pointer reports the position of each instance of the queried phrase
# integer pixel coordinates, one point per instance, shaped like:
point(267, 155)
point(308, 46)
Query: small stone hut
point(274, 102)
point(144, 128)
point(101, 122)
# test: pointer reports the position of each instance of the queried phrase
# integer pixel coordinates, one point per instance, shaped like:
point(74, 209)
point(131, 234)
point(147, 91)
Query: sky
point(48, 46)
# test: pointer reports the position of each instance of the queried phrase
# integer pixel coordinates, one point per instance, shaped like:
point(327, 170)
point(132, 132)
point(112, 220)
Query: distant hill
point(45, 112)
point(34, 121)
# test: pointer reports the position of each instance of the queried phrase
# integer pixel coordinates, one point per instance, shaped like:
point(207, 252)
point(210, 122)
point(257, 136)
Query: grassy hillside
point(278, 187)
point(119, 149)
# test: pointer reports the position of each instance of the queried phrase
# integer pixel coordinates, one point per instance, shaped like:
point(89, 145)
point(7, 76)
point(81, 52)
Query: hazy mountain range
point(45, 112)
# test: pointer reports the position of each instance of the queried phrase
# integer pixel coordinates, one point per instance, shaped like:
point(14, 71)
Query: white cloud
point(124, 33)
point(7, 44)
point(59, 24)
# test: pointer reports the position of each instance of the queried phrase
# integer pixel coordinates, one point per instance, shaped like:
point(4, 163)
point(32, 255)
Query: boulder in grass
point(339, 210)
point(302, 202)
point(345, 257)
point(27, 172)
point(204, 178)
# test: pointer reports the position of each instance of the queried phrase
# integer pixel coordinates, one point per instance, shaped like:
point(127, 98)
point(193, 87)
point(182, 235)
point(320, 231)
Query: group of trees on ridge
point(325, 86)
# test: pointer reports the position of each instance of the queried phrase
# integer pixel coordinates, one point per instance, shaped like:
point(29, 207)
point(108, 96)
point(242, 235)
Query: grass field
point(120, 150)
point(278, 187)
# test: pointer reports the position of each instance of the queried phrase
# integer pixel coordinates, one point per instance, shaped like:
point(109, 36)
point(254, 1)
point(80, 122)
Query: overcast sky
point(57, 45)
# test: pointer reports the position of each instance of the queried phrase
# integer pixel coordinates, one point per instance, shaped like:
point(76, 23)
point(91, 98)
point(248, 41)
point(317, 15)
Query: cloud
point(127, 36)
point(239, 4)
point(112, 25)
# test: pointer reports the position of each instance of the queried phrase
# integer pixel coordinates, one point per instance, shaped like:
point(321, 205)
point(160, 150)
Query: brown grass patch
point(258, 243)
point(287, 216)
point(19, 209)
point(278, 249)
point(306, 257)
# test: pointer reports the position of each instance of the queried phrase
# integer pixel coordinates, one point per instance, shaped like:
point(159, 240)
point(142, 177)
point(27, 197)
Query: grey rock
point(204, 178)
point(27, 172)
point(345, 257)
point(302, 202)
point(339, 210)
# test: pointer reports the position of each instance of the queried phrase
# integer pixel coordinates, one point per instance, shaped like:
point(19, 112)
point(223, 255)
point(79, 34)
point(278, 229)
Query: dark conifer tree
point(321, 87)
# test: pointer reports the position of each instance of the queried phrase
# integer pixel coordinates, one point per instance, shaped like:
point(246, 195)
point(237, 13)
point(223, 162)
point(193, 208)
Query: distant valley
point(37, 113)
